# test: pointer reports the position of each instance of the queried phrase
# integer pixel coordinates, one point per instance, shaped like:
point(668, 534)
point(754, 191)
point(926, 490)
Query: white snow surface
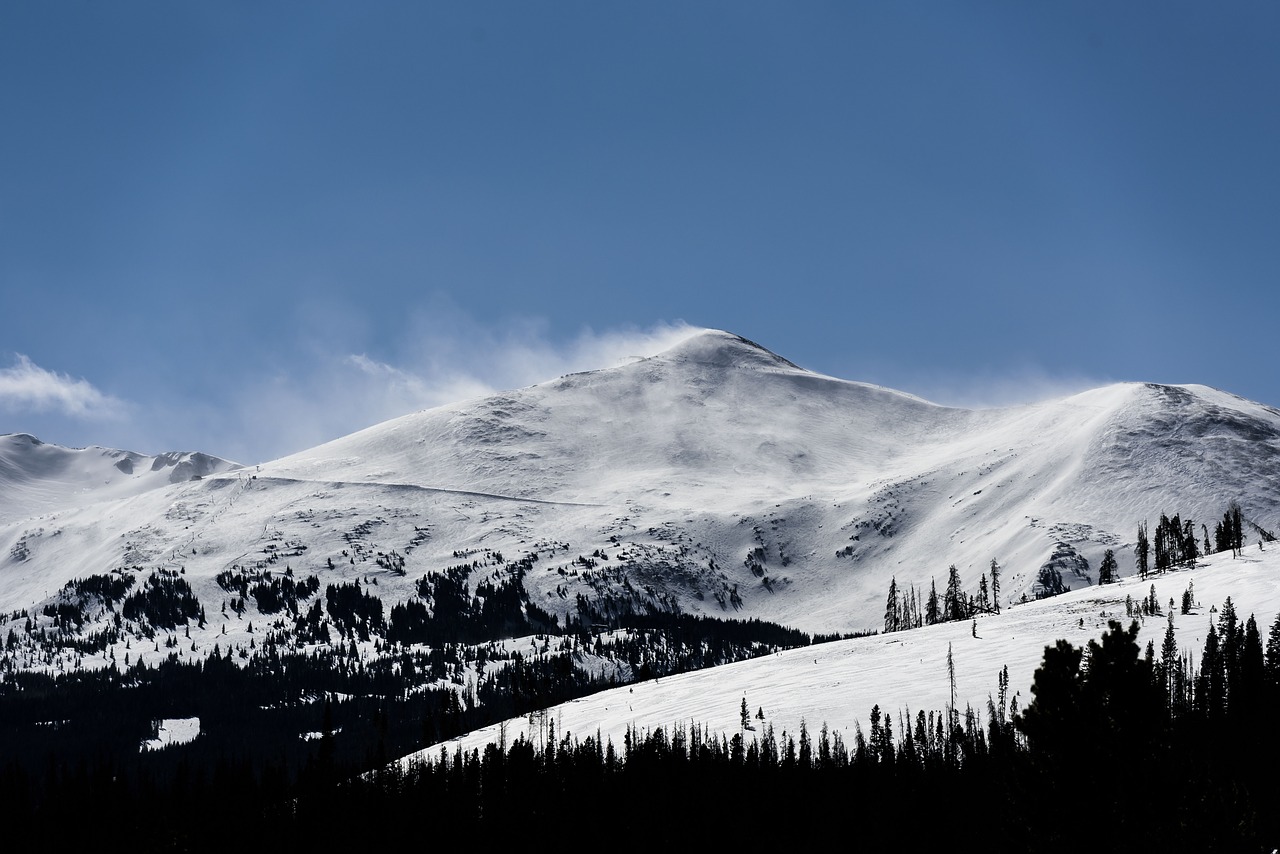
point(838, 683)
point(37, 476)
point(173, 731)
point(677, 468)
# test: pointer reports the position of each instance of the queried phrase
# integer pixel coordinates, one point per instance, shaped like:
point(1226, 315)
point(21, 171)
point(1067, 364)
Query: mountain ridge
point(717, 477)
point(39, 475)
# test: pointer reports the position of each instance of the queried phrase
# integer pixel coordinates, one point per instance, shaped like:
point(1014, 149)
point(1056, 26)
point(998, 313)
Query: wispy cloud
point(442, 359)
point(25, 386)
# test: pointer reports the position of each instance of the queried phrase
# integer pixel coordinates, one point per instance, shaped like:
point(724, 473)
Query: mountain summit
point(715, 348)
point(715, 477)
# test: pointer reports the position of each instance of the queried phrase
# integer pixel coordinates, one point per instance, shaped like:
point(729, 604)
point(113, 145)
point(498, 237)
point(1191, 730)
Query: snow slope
point(39, 477)
point(715, 478)
point(904, 672)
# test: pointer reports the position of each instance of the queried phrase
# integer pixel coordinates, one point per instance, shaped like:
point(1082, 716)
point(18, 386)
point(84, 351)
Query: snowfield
point(173, 731)
point(837, 683)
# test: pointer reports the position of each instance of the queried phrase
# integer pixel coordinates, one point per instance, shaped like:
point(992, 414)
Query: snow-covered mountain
point(37, 477)
point(715, 478)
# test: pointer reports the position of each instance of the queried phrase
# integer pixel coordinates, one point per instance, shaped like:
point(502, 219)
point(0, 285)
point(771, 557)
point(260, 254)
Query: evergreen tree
point(995, 584)
point(806, 746)
point(1229, 533)
point(931, 612)
point(1211, 691)
point(1190, 549)
point(1168, 660)
point(892, 609)
point(1141, 549)
point(953, 601)
point(1056, 692)
point(951, 704)
point(1107, 570)
point(1247, 699)
point(1231, 637)
point(1273, 654)
point(1223, 537)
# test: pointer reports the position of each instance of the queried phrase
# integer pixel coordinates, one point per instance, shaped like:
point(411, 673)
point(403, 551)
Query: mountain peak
point(722, 349)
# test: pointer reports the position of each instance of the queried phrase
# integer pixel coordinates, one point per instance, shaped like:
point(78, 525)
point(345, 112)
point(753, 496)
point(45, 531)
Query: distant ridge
point(36, 476)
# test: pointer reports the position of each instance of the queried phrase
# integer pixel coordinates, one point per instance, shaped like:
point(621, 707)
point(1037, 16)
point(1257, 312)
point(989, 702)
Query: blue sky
point(250, 227)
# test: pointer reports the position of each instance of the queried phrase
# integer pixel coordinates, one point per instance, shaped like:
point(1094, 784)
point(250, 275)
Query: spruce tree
point(1107, 570)
point(892, 612)
point(1190, 549)
point(1273, 653)
point(953, 603)
point(1210, 685)
point(1249, 689)
point(1231, 637)
point(995, 584)
point(1142, 549)
point(1236, 518)
point(931, 614)
point(1168, 660)
point(984, 595)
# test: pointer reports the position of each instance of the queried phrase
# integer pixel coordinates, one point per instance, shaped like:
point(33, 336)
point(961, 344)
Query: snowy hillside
point(39, 477)
point(837, 683)
point(714, 478)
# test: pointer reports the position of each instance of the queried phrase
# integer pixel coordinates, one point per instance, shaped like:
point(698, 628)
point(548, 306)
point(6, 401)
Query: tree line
point(903, 611)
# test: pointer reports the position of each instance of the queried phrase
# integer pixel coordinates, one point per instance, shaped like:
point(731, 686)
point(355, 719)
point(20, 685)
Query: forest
point(1119, 746)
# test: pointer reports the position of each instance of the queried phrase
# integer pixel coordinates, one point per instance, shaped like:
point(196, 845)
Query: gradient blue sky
point(250, 227)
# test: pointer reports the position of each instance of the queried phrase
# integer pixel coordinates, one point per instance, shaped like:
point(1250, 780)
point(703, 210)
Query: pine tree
point(953, 601)
point(1168, 660)
point(1236, 519)
point(1249, 687)
point(1210, 686)
point(1141, 549)
point(892, 612)
point(995, 584)
point(931, 613)
point(1190, 549)
point(951, 705)
point(1273, 654)
point(1231, 636)
point(1107, 570)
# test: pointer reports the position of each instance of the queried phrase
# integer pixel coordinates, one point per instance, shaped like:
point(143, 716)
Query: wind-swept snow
point(38, 477)
point(716, 477)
